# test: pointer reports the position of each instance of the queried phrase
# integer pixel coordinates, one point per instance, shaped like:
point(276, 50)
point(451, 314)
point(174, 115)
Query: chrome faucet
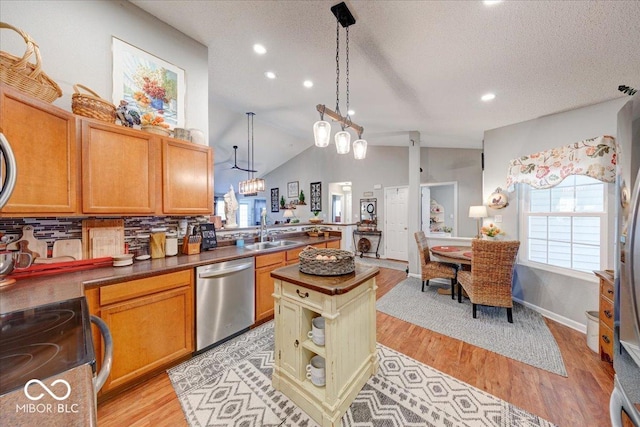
point(263, 225)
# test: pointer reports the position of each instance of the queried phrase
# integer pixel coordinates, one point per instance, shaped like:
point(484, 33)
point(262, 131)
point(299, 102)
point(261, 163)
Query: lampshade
point(359, 149)
point(322, 133)
point(478, 212)
point(288, 213)
point(343, 142)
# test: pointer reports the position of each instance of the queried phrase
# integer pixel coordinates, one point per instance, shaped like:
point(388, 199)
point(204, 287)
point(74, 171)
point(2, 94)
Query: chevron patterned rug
point(230, 385)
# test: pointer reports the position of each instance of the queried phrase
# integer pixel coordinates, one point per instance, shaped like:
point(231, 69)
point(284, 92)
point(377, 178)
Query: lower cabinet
point(151, 323)
point(334, 244)
point(265, 264)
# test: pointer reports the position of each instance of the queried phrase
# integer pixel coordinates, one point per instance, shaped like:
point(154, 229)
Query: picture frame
point(209, 239)
point(148, 84)
point(316, 196)
point(275, 200)
point(292, 189)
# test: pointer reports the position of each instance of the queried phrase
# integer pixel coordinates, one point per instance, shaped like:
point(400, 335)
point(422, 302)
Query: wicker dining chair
point(489, 281)
point(433, 269)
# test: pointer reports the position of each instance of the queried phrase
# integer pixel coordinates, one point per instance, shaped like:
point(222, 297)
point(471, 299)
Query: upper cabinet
point(187, 175)
point(70, 165)
point(44, 141)
point(120, 167)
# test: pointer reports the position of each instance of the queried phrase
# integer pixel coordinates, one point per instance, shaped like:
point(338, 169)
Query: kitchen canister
point(197, 136)
point(181, 133)
point(157, 244)
point(171, 244)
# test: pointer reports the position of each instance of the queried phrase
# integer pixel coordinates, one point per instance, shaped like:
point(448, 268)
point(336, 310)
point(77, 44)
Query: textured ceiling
point(414, 66)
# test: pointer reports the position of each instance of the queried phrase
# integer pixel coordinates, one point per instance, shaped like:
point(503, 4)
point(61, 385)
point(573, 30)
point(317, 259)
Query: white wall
point(75, 43)
point(563, 297)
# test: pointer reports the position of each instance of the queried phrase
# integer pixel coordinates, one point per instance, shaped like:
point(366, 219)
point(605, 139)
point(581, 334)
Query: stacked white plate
point(122, 260)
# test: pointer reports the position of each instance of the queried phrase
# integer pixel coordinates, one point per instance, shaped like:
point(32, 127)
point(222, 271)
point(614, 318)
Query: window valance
point(595, 157)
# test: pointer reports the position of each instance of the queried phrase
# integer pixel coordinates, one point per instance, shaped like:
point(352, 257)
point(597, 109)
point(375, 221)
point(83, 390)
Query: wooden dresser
point(606, 316)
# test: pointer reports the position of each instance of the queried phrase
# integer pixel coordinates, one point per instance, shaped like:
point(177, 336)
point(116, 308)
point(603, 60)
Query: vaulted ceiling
point(414, 66)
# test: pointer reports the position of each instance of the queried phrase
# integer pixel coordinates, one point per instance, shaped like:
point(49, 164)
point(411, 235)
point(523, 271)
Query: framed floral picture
point(292, 189)
point(149, 85)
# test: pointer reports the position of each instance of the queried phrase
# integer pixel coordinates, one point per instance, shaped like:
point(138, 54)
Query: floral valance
point(595, 157)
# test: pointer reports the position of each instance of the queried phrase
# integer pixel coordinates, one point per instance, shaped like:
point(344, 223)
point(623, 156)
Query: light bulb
point(322, 133)
point(343, 142)
point(359, 149)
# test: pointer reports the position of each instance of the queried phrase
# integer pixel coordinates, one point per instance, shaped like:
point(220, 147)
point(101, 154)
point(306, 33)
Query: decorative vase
point(157, 103)
point(485, 237)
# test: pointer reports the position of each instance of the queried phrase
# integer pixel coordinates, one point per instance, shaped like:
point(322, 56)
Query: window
point(244, 215)
point(565, 226)
point(220, 204)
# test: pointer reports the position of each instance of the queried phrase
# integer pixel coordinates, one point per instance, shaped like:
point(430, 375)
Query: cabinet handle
point(301, 295)
point(296, 343)
point(608, 313)
point(606, 339)
point(610, 291)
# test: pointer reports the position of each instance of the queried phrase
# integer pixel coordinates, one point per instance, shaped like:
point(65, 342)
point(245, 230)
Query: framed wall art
point(316, 196)
point(275, 200)
point(292, 189)
point(148, 84)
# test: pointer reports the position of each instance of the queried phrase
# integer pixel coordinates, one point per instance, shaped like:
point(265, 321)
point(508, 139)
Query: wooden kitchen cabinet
point(120, 169)
point(187, 172)
point(45, 143)
point(151, 321)
point(293, 255)
point(606, 315)
point(334, 244)
point(265, 264)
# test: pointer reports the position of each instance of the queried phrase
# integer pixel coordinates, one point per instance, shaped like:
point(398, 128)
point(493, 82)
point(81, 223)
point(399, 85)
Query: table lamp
point(478, 212)
point(288, 214)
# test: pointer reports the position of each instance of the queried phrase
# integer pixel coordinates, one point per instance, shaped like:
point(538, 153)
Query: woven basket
point(24, 76)
point(343, 264)
point(92, 105)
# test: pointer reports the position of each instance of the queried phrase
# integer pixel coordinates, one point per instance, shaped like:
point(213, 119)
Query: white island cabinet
point(348, 305)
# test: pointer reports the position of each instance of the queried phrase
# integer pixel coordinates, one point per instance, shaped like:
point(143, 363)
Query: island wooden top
point(330, 285)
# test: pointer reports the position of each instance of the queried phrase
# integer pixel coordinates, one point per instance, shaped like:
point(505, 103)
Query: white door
point(396, 223)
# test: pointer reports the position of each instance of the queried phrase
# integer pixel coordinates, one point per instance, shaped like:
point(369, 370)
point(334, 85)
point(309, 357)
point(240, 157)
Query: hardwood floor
point(581, 399)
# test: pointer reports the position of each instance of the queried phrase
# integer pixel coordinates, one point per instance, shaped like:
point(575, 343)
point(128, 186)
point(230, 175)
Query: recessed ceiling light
point(259, 49)
point(351, 112)
point(491, 2)
point(488, 97)
point(270, 75)
point(308, 83)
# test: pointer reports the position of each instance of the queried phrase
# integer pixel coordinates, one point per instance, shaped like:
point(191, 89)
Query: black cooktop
point(43, 341)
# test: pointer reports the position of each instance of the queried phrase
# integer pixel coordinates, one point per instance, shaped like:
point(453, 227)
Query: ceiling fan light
point(322, 133)
point(343, 142)
point(359, 149)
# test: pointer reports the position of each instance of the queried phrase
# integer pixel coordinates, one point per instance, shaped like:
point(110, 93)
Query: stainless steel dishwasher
point(225, 300)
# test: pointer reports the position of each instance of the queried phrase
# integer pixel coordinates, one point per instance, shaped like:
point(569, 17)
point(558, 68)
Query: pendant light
point(322, 128)
point(251, 186)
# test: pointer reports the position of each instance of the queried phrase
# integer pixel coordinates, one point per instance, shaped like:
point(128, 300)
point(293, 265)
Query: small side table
point(363, 245)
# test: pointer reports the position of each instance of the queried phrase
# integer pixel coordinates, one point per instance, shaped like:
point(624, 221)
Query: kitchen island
point(347, 304)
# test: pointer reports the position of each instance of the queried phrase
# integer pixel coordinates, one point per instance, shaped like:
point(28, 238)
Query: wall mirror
point(368, 209)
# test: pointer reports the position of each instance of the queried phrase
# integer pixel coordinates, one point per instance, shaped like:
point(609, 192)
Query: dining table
point(454, 255)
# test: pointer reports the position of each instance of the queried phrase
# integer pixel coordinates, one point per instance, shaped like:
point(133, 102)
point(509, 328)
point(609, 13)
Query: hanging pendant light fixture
point(322, 128)
point(251, 186)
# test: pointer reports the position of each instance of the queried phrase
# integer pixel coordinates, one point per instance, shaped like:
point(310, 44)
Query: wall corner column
point(414, 200)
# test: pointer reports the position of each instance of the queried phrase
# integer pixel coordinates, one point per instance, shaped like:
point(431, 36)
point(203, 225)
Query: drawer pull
point(606, 339)
point(296, 343)
point(608, 314)
point(302, 295)
point(610, 291)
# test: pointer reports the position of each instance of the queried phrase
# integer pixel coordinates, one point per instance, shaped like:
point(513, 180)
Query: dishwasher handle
point(107, 359)
point(223, 271)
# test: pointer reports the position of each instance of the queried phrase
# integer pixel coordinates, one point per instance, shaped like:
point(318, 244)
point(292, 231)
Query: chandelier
point(322, 128)
point(251, 186)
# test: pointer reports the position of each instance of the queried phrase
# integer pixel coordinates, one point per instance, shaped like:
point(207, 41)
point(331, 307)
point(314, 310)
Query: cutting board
point(67, 247)
point(34, 245)
point(102, 237)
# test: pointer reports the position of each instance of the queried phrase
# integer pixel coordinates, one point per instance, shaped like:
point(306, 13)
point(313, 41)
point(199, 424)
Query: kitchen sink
point(261, 246)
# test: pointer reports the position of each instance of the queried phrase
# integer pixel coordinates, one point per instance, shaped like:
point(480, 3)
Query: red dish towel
point(444, 249)
point(468, 254)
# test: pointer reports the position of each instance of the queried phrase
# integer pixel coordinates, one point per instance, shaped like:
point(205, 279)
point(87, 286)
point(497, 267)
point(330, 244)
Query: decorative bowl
point(157, 130)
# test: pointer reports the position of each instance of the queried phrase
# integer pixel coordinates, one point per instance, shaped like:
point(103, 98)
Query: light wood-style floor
point(580, 400)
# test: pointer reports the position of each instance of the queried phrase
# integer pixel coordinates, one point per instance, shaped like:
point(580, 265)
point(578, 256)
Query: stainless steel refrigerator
point(626, 360)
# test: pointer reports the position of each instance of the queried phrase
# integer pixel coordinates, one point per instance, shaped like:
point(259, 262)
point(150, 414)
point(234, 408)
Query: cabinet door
point(119, 169)
point(264, 291)
point(187, 171)
point(288, 331)
point(44, 141)
point(333, 244)
point(149, 332)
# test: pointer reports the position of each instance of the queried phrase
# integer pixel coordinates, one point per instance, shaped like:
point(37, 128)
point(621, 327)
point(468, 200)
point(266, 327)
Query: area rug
point(386, 263)
point(527, 339)
point(230, 385)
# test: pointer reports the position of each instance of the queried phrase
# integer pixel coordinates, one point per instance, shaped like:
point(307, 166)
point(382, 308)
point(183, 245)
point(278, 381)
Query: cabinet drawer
point(303, 295)
point(606, 343)
point(135, 288)
point(606, 289)
point(294, 254)
point(606, 312)
point(270, 259)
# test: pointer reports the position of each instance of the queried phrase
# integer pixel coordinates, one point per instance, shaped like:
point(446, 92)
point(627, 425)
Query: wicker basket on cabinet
point(92, 105)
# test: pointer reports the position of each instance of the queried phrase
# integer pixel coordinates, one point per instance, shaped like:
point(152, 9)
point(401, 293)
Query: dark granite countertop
point(31, 292)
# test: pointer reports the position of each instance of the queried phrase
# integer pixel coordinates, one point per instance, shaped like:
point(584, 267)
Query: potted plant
point(282, 202)
point(315, 218)
point(491, 232)
point(301, 198)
